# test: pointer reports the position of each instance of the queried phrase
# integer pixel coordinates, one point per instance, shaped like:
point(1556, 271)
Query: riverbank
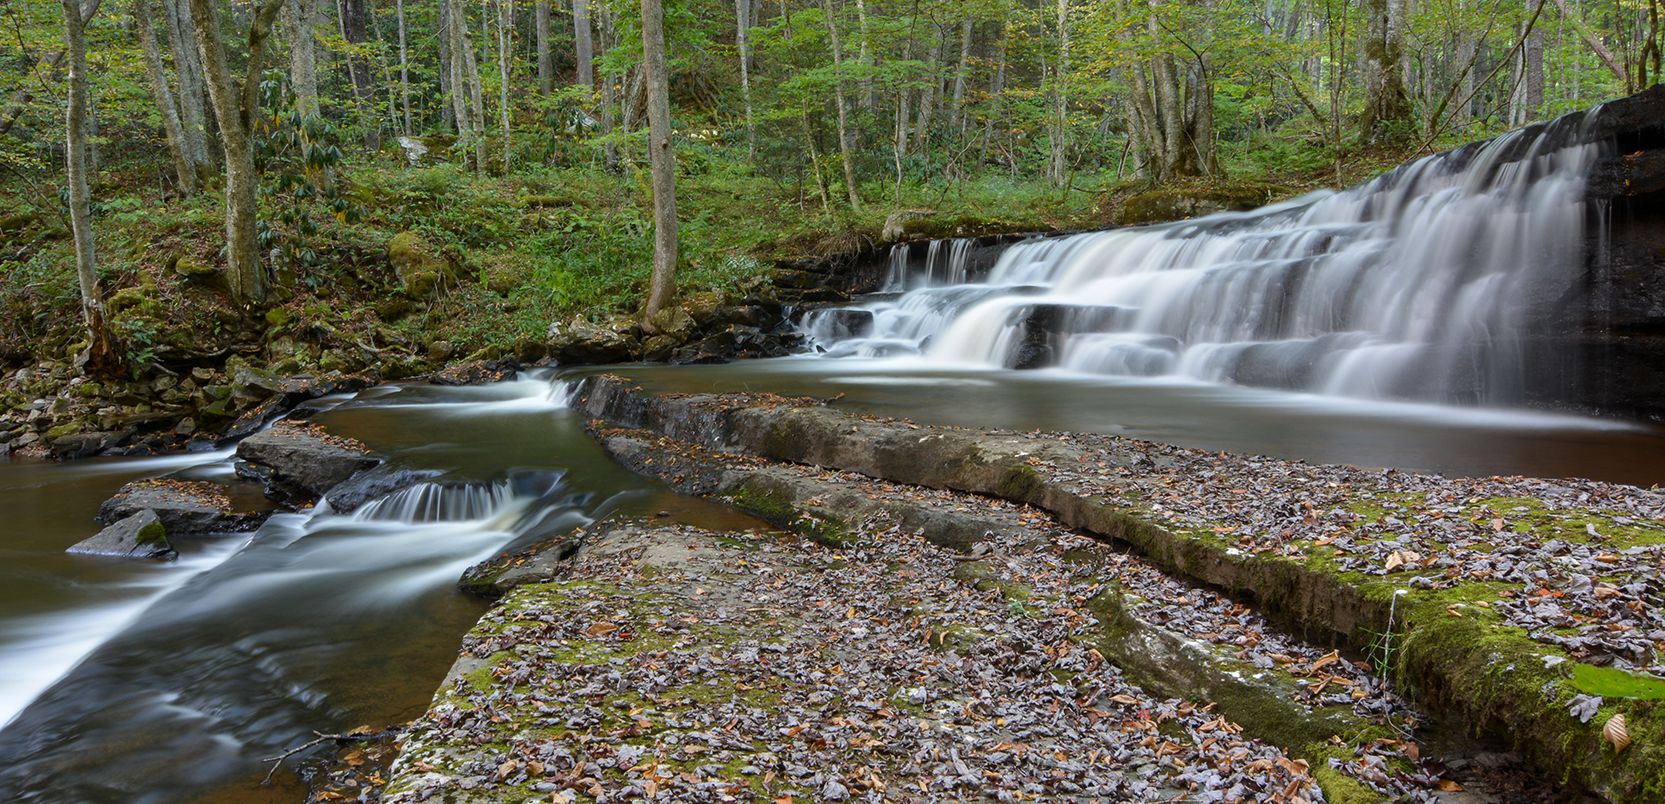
point(1505, 606)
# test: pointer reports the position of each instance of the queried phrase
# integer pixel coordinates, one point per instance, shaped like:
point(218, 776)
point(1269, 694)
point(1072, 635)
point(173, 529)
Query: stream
point(140, 681)
point(1384, 326)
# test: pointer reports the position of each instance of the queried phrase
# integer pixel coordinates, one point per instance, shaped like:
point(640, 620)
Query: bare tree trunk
point(961, 73)
point(1057, 165)
point(299, 19)
point(404, 71)
point(742, 35)
point(193, 87)
point(447, 109)
point(815, 158)
point(1387, 108)
point(546, 57)
point(162, 94)
point(583, 44)
point(358, 67)
point(869, 95)
point(838, 98)
point(235, 109)
point(505, 32)
point(662, 287)
point(609, 95)
point(465, 85)
point(928, 94)
point(997, 87)
point(101, 353)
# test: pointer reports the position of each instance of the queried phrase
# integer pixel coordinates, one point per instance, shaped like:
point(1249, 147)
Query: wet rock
point(300, 463)
point(140, 535)
point(185, 507)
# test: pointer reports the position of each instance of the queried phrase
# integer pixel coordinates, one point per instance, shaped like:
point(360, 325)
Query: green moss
point(1018, 482)
point(152, 535)
point(1612, 682)
point(980, 575)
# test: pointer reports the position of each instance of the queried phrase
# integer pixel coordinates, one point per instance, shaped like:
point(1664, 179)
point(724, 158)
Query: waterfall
point(1425, 283)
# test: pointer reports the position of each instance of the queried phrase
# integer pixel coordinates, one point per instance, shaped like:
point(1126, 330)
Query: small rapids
point(1424, 284)
point(140, 681)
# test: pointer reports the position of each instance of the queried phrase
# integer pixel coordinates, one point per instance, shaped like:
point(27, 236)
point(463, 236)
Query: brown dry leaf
point(1616, 733)
point(1449, 786)
point(601, 628)
point(1326, 660)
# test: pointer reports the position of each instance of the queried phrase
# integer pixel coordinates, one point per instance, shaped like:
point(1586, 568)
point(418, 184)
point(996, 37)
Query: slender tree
point(583, 44)
point(101, 354)
point(166, 106)
point(300, 23)
point(546, 57)
point(236, 107)
point(662, 287)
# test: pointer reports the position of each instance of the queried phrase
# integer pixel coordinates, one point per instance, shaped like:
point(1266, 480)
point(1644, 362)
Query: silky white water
point(1419, 285)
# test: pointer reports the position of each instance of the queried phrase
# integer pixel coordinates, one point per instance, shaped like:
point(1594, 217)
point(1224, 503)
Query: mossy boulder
point(1162, 204)
point(140, 535)
point(421, 268)
point(194, 270)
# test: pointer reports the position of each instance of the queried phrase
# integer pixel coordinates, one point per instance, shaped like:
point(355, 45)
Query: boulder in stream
point(184, 507)
point(139, 535)
point(300, 462)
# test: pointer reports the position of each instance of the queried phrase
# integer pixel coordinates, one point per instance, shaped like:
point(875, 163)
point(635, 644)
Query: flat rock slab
point(139, 535)
point(674, 663)
point(1505, 596)
point(301, 462)
point(184, 507)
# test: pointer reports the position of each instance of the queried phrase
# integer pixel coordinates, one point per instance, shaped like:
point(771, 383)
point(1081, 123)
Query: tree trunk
point(742, 35)
point(997, 87)
point(546, 57)
point(404, 70)
point(844, 155)
point(299, 19)
point(358, 67)
point(869, 95)
point(1387, 108)
point(464, 81)
point(928, 94)
point(961, 73)
point(505, 32)
point(609, 95)
point(235, 110)
point(101, 354)
point(1058, 131)
point(193, 88)
point(162, 94)
point(583, 45)
point(662, 287)
point(447, 109)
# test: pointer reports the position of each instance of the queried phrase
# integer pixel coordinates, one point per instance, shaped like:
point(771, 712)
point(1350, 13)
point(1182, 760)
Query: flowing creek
point(1325, 330)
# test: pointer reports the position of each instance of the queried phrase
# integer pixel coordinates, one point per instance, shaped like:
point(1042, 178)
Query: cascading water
point(1417, 285)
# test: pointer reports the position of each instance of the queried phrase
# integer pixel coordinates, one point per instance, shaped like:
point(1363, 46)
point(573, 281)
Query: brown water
point(132, 681)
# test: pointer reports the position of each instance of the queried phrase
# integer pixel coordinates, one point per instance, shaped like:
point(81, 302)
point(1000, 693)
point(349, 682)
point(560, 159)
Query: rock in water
point(185, 507)
point(300, 463)
point(139, 535)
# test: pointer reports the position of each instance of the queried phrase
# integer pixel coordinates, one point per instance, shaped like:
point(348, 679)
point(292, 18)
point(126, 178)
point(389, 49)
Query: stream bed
point(139, 681)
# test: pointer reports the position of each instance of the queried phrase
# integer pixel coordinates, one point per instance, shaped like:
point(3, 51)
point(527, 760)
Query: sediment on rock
point(300, 463)
point(1326, 550)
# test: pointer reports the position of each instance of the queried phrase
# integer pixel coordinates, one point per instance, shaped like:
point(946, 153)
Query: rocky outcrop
point(139, 535)
point(299, 463)
point(184, 507)
point(1330, 551)
point(374, 484)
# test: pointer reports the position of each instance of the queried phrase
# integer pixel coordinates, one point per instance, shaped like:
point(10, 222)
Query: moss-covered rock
point(420, 266)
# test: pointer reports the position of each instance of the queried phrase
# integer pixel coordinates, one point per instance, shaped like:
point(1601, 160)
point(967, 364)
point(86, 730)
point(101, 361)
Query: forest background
point(435, 179)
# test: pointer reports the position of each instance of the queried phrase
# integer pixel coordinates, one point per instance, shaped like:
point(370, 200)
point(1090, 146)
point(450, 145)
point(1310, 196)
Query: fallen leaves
point(1617, 734)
